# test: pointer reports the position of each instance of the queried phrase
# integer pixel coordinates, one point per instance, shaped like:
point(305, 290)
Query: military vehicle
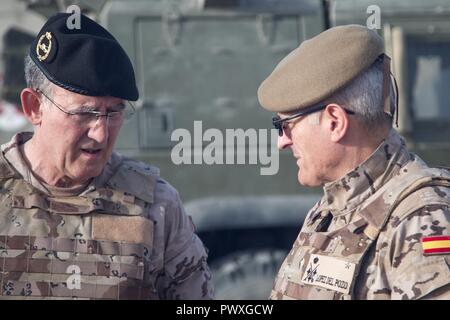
point(203, 60)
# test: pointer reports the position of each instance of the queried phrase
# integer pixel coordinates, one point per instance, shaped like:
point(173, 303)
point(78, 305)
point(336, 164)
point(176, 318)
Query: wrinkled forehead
point(71, 98)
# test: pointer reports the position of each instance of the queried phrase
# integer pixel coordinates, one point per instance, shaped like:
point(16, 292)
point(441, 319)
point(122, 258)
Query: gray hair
point(34, 77)
point(364, 97)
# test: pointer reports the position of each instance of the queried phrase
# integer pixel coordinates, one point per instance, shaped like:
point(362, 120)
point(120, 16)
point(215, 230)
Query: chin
point(87, 173)
point(304, 181)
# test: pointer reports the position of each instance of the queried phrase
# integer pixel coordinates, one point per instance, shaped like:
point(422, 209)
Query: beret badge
point(44, 46)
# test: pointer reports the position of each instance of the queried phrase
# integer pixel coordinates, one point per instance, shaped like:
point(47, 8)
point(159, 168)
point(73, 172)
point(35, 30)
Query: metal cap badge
point(44, 46)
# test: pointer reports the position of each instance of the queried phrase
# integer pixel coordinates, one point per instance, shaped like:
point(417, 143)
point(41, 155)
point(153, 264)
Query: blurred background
point(204, 60)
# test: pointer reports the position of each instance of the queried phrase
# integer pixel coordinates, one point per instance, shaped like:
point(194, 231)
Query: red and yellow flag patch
point(436, 245)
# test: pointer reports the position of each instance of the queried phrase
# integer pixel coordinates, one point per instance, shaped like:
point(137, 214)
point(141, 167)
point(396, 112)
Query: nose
point(99, 131)
point(284, 141)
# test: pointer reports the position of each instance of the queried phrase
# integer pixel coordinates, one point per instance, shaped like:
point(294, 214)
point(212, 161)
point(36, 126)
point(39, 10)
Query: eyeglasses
point(90, 117)
point(279, 123)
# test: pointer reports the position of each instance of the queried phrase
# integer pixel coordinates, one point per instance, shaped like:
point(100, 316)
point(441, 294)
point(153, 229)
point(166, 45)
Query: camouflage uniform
point(125, 236)
point(364, 238)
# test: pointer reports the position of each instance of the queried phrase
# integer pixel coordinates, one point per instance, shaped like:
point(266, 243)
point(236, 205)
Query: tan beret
point(319, 67)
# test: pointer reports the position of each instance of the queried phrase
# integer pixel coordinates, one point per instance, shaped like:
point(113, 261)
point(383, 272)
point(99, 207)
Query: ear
point(336, 121)
point(31, 105)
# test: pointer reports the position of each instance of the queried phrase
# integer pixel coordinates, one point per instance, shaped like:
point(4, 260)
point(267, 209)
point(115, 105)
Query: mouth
point(91, 151)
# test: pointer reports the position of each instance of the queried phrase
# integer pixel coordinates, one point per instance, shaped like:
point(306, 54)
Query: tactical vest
point(93, 246)
point(346, 247)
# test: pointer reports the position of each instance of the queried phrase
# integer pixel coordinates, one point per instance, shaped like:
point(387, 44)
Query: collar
point(12, 151)
point(345, 194)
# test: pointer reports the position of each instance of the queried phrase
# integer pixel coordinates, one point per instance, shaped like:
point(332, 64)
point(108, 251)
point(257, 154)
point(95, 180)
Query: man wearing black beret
point(77, 219)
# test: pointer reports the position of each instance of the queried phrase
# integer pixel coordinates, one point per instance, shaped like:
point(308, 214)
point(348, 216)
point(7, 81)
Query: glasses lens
point(115, 118)
point(127, 114)
point(84, 118)
point(129, 111)
point(112, 119)
point(278, 125)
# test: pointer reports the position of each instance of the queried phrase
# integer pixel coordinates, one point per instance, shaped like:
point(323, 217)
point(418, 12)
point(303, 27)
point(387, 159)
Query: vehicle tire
point(246, 275)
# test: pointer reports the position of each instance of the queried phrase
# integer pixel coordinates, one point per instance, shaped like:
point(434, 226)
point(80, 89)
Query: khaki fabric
point(126, 236)
point(377, 215)
point(320, 67)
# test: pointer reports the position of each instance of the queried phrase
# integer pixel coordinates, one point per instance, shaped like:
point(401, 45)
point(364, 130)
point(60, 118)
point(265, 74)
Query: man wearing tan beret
point(382, 227)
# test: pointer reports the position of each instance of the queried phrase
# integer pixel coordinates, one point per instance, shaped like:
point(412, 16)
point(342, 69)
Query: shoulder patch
point(436, 245)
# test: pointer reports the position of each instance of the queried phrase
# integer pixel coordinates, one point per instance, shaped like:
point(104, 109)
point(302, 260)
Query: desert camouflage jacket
point(380, 232)
point(125, 236)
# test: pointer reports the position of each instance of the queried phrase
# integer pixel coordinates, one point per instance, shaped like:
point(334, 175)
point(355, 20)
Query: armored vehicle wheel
point(247, 274)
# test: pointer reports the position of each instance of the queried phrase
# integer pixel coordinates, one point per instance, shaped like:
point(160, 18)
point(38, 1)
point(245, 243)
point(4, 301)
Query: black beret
point(88, 60)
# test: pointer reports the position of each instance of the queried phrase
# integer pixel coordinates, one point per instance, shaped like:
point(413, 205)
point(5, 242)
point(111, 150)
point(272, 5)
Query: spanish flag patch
point(436, 245)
